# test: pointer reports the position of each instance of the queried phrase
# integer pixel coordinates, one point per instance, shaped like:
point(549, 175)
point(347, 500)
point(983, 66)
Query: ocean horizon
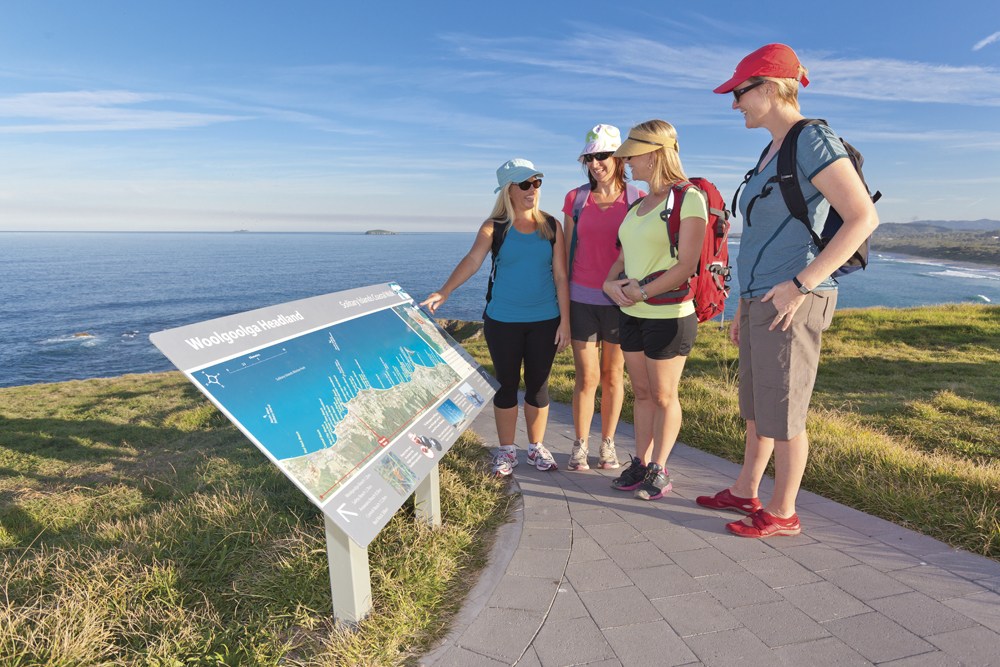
point(82, 304)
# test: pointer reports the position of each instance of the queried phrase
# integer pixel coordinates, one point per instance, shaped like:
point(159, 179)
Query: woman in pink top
point(593, 214)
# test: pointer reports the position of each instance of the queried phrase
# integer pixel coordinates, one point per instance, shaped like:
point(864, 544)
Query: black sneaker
point(631, 477)
point(656, 483)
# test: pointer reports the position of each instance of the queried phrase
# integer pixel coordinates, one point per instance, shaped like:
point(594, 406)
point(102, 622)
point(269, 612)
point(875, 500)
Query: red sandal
point(724, 500)
point(765, 524)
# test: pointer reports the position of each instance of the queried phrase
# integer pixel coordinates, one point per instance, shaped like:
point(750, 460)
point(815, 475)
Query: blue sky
point(337, 116)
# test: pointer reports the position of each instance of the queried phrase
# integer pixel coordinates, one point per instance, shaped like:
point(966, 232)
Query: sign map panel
point(355, 395)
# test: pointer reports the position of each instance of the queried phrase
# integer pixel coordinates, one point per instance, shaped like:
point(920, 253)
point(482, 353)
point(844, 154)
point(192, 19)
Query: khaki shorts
point(778, 368)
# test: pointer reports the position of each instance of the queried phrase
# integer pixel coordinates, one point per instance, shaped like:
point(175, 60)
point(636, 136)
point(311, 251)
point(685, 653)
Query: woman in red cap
point(787, 295)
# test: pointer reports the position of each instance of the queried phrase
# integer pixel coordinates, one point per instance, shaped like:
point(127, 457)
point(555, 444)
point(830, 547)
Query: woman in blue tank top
point(526, 321)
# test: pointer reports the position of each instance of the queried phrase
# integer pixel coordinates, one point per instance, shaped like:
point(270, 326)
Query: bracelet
point(642, 291)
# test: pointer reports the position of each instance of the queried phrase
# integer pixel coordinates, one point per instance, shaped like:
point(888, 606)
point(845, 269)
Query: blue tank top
point(523, 289)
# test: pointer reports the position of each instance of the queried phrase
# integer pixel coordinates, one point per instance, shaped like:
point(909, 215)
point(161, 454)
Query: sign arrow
point(344, 513)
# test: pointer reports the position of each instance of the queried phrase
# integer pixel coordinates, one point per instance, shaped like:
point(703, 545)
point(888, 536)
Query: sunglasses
point(527, 185)
point(740, 92)
point(600, 157)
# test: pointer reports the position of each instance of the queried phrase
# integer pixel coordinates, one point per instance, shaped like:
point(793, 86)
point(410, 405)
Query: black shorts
point(592, 323)
point(658, 339)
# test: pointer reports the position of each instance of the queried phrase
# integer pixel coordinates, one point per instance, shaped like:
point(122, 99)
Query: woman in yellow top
point(655, 339)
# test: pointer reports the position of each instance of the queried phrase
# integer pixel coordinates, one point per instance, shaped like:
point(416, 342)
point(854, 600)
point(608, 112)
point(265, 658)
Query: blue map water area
point(117, 288)
point(292, 394)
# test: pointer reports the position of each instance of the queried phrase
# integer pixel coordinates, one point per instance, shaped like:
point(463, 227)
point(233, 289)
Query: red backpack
point(709, 287)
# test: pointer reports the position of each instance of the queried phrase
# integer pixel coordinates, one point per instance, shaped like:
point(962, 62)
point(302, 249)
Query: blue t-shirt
point(524, 289)
point(775, 246)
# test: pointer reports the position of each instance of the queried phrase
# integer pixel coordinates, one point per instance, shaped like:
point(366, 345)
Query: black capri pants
point(512, 344)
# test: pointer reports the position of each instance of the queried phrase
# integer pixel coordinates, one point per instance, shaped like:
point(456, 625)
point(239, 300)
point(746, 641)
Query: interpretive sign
point(355, 395)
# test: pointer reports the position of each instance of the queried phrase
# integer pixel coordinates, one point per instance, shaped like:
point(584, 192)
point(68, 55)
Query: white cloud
point(655, 66)
point(987, 41)
point(98, 110)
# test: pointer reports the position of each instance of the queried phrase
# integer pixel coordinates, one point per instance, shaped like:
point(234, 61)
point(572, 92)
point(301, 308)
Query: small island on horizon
point(379, 232)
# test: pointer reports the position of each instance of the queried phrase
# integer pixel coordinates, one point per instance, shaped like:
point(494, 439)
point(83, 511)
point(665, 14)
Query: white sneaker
point(509, 452)
point(502, 466)
point(609, 456)
point(578, 459)
point(541, 457)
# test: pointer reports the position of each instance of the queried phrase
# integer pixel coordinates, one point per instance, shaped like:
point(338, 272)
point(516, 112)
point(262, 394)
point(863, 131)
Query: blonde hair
point(503, 211)
point(787, 90)
point(667, 168)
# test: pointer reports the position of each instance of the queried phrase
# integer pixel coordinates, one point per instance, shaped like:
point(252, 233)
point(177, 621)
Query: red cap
point(775, 60)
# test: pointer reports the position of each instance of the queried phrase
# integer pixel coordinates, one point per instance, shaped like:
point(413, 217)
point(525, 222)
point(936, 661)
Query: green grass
point(138, 527)
point(905, 417)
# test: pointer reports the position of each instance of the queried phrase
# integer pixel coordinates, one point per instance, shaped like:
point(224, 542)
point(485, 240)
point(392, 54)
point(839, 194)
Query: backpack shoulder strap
point(671, 213)
point(553, 223)
point(581, 198)
point(734, 206)
point(788, 174)
point(500, 228)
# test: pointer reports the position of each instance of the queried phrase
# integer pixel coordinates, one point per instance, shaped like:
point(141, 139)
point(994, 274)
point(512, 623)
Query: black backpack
point(788, 180)
point(500, 228)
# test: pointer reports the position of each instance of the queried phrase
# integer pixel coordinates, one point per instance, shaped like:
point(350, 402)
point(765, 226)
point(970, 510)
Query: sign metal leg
point(427, 499)
point(350, 579)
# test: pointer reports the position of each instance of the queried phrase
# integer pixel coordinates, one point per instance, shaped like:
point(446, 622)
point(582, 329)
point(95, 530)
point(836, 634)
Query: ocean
point(82, 305)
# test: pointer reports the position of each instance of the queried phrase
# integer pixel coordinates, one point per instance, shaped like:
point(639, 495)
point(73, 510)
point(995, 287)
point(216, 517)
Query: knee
point(537, 399)
point(611, 378)
point(506, 397)
point(665, 398)
point(587, 381)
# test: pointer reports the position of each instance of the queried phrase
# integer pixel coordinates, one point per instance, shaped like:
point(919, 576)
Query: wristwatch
point(802, 288)
point(642, 291)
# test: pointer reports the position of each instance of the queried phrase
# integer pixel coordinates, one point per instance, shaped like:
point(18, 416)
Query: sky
point(118, 115)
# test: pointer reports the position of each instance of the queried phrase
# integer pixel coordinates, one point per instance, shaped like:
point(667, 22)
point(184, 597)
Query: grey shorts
point(591, 323)
point(778, 368)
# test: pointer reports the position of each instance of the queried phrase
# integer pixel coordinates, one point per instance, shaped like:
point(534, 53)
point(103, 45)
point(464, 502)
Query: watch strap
point(802, 288)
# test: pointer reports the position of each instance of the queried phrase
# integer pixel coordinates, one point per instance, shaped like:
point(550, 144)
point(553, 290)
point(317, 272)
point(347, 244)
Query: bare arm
point(613, 285)
point(561, 277)
point(466, 268)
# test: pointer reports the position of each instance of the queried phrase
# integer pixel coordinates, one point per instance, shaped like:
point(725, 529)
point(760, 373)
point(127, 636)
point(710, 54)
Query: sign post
point(350, 578)
point(355, 396)
point(427, 499)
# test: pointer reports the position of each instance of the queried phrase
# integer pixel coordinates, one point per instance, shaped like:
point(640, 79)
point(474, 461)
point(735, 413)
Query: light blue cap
point(517, 170)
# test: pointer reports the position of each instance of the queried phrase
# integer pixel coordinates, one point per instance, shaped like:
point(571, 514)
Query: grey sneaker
point(578, 459)
point(609, 456)
point(655, 484)
point(631, 477)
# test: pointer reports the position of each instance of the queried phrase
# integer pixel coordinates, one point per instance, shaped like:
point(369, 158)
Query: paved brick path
point(586, 575)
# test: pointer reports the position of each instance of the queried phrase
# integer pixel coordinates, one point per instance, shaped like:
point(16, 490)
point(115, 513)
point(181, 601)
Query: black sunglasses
point(600, 157)
point(740, 92)
point(527, 185)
